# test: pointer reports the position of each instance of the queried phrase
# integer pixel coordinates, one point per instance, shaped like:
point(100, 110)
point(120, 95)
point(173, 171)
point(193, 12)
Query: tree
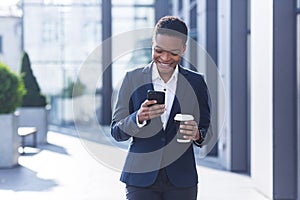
point(33, 97)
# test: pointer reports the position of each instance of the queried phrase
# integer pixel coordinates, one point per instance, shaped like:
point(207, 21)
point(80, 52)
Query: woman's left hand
point(190, 130)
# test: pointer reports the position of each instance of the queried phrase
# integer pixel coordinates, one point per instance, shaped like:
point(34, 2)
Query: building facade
point(254, 84)
point(11, 37)
point(256, 47)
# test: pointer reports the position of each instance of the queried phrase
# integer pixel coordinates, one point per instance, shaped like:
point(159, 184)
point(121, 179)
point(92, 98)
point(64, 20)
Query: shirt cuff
point(199, 142)
point(140, 125)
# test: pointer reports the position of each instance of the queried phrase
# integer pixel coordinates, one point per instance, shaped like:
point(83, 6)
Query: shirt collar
point(155, 74)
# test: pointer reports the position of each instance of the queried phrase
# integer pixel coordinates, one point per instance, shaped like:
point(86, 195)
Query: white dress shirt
point(169, 88)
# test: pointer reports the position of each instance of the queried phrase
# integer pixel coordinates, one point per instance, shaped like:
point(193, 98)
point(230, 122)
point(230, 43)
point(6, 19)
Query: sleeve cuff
point(140, 125)
point(199, 142)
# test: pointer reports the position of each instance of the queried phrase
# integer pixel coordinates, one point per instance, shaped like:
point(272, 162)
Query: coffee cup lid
point(183, 117)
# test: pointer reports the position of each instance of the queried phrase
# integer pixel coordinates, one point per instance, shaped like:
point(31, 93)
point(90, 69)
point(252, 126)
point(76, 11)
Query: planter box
point(37, 117)
point(9, 140)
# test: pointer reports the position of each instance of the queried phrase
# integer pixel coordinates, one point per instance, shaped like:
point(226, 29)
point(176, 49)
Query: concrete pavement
point(63, 169)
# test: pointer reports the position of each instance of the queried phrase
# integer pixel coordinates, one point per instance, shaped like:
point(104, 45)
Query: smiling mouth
point(165, 64)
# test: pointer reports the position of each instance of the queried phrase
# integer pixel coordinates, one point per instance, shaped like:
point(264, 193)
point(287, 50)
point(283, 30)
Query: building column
point(161, 9)
point(234, 144)
point(211, 45)
point(284, 100)
point(106, 111)
point(261, 97)
point(298, 94)
point(240, 156)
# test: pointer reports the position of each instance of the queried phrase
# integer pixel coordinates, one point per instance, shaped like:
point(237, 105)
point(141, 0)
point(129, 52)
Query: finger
point(194, 136)
point(188, 127)
point(148, 103)
point(156, 114)
point(156, 110)
point(192, 123)
point(143, 113)
point(157, 107)
point(187, 132)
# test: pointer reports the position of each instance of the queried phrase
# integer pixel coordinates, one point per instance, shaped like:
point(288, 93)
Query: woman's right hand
point(149, 110)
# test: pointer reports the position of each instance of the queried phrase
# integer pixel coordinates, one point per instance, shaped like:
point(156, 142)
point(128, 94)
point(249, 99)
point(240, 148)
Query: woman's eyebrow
point(166, 49)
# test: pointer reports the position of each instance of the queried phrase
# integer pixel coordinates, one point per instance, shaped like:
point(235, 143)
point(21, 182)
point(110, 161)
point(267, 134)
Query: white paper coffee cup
point(179, 118)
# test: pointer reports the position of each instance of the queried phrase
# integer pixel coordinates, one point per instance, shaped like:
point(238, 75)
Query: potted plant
point(34, 109)
point(11, 93)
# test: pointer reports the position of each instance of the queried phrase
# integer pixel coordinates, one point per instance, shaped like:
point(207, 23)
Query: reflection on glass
point(129, 16)
point(69, 2)
point(132, 2)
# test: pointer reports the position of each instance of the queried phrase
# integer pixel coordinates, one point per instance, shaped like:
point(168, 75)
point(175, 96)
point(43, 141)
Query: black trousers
point(162, 189)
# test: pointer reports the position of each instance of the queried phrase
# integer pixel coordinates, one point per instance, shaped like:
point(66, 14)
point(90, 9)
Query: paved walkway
point(63, 169)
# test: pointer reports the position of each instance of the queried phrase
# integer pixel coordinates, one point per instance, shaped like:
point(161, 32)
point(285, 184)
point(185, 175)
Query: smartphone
point(159, 96)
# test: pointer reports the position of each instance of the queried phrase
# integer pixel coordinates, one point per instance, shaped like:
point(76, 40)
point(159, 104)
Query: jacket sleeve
point(204, 103)
point(123, 124)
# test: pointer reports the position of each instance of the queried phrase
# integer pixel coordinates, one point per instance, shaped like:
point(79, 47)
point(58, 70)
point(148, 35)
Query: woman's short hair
point(171, 25)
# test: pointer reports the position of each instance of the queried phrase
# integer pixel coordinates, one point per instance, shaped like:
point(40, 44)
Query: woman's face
point(166, 53)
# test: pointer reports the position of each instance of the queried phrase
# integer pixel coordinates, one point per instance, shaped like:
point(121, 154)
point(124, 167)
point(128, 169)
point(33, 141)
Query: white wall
point(10, 30)
point(261, 95)
point(224, 83)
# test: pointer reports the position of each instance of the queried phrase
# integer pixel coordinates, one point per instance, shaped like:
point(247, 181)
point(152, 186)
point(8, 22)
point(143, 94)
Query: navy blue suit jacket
point(152, 147)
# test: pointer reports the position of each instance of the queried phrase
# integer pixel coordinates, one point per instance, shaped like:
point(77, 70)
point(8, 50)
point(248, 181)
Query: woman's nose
point(165, 55)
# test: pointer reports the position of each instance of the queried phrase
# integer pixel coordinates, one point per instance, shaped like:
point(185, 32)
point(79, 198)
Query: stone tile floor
point(64, 169)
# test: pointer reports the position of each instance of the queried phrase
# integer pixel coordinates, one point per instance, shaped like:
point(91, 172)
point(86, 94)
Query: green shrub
point(11, 90)
point(33, 97)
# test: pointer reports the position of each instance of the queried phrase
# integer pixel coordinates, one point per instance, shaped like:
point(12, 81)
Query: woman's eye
point(158, 50)
point(174, 54)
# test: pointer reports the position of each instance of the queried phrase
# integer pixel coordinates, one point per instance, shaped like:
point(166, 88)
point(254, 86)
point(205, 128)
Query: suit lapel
point(180, 95)
point(147, 77)
point(181, 99)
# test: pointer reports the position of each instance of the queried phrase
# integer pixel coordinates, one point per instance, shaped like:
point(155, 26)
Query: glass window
point(133, 2)
point(50, 32)
point(129, 16)
point(70, 2)
point(1, 44)
point(56, 2)
point(92, 34)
